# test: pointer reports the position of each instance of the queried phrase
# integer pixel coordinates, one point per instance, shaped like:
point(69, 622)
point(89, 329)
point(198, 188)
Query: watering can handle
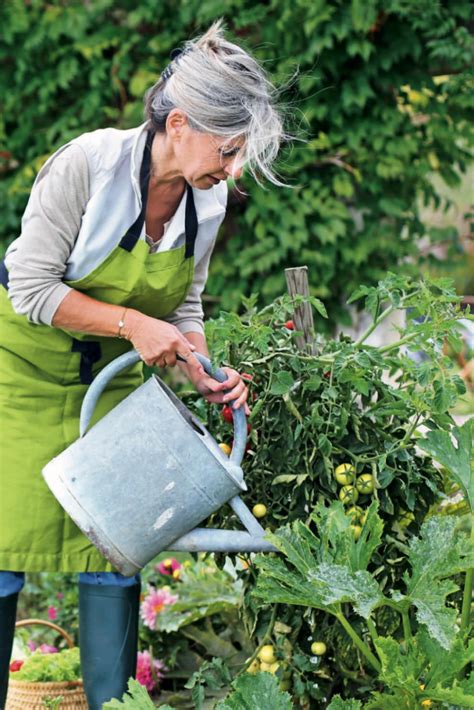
point(131, 358)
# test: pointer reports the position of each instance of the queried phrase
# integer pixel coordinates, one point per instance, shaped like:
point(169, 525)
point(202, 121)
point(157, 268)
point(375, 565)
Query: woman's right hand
point(157, 342)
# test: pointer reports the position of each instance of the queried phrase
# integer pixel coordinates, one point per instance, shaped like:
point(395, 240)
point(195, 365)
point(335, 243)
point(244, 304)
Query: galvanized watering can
point(148, 472)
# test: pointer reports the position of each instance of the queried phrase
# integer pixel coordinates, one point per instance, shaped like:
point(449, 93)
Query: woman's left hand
point(216, 392)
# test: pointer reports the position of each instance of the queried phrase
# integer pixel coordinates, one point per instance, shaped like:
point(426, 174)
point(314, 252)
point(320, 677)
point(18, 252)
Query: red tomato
point(15, 666)
point(289, 325)
point(227, 414)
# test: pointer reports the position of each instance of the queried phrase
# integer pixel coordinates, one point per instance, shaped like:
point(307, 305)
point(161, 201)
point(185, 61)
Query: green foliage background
point(376, 118)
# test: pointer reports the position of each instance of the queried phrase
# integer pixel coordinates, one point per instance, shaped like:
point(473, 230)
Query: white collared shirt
point(84, 199)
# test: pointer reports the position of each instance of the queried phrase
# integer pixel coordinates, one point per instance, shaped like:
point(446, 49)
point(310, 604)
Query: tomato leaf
point(282, 382)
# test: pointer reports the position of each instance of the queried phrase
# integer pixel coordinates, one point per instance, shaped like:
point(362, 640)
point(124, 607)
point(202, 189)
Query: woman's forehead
point(230, 143)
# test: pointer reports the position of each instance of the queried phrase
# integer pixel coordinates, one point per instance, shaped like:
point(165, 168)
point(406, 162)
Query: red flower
point(168, 566)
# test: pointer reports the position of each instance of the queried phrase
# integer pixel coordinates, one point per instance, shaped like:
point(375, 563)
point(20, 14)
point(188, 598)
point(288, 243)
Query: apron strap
point(133, 234)
point(190, 221)
point(91, 352)
point(3, 274)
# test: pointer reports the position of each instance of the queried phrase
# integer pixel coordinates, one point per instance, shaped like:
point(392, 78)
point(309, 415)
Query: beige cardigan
point(36, 260)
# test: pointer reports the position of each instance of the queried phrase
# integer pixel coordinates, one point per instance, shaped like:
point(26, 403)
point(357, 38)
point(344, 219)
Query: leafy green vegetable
point(61, 666)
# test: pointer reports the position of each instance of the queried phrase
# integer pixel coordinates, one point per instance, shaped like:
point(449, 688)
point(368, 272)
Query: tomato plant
point(352, 434)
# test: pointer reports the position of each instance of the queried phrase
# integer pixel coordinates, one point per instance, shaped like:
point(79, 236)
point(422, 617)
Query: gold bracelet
point(121, 324)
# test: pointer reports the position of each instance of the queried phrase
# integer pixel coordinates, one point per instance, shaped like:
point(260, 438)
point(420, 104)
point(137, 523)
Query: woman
point(113, 254)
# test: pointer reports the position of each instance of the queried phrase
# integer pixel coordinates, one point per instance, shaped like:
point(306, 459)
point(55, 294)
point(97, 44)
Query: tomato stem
point(374, 325)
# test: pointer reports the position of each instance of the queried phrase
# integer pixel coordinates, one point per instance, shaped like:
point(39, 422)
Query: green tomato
point(365, 484)
point(348, 495)
point(344, 474)
point(318, 648)
point(355, 513)
point(267, 654)
point(356, 531)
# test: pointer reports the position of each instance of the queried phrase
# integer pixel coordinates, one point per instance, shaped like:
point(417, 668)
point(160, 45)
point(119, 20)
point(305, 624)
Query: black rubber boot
point(7, 631)
point(108, 639)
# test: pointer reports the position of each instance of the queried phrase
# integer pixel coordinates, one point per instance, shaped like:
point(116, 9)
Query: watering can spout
point(229, 541)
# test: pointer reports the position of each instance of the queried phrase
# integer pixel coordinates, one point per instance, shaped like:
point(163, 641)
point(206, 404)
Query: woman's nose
point(234, 169)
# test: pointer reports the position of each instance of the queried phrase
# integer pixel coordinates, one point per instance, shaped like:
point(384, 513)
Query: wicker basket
point(23, 695)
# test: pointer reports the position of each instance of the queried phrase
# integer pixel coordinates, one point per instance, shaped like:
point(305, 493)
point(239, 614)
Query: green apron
point(44, 374)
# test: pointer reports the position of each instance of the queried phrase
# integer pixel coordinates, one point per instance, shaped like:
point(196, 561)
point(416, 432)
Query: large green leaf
point(455, 695)
point(438, 553)
point(337, 542)
point(399, 668)
point(173, 617)
point(256, 692)
point(207, 591)
point(302, 580)
point(457, 459)
point(444, 665)
point(136, 698)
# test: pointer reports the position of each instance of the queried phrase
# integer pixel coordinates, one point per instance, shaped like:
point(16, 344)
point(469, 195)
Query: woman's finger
point(236, 392)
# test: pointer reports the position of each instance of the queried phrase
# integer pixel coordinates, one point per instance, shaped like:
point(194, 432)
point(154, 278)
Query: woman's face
point(202, 158)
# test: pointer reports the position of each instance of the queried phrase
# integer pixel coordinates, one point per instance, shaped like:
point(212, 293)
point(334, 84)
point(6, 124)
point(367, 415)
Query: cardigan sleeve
point(36, 260)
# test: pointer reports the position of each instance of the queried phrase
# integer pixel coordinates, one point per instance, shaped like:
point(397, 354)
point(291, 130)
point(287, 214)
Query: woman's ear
point(176, 122)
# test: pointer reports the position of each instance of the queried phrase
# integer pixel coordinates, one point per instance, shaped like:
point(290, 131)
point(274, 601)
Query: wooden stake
point(297, 284)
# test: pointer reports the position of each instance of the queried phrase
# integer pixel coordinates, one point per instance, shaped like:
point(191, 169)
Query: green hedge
point(382, 96)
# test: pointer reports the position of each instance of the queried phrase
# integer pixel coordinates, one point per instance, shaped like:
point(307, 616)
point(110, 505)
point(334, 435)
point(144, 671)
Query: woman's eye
point(229, 153)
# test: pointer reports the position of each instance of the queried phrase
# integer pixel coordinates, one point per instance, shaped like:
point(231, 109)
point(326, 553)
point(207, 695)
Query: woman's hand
point(216, 392)
point(158, 342)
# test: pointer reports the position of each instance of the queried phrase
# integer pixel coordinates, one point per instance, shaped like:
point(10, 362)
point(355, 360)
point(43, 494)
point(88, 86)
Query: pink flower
point(168, 566)
point(52, 613)
point(32, 646)
point(45, 648)
point(59, 596)
point(154, 603)
point(148, 673)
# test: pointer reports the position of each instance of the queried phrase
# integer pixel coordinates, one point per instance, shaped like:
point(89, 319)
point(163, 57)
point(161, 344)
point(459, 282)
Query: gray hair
point(225, 92)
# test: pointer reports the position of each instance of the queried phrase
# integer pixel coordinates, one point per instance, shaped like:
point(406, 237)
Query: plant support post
point(297, 284)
